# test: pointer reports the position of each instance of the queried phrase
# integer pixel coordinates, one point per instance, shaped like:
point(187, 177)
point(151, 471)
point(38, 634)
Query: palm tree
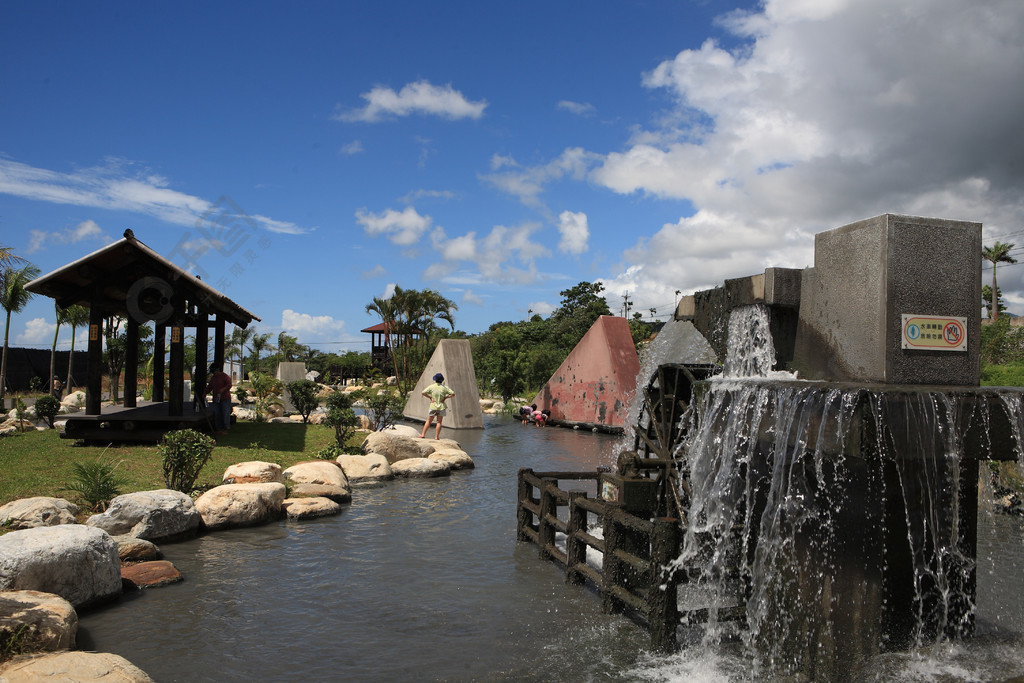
point(76, 316)
point(997, 253)
point(53, 350)
point(240, 336)
point(8, 257)
point(13, 297)
point(260, 343)
point(387, 310)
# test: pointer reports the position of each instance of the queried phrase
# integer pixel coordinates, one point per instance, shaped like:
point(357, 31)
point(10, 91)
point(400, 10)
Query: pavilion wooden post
point(94, 381)
point(131, 362)
point(218, 341)
point(159, 349)
point(202, 342)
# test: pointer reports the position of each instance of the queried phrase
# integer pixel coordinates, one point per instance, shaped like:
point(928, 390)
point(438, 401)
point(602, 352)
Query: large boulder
point(96, 667)
point(234, 505)
point(38, 621)
point(131, 549)
point(421, 468)
point(253, 472)
point(308, 508)
point(396, 446)
point(39, 511)
point(456, 458)
point(160, 515)
point(77, 562)
point(320, 478)
point(364, 469)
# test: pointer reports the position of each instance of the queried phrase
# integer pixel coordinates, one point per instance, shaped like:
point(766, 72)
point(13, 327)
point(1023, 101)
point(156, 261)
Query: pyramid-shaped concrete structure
point(595, 384)
point(453, 359)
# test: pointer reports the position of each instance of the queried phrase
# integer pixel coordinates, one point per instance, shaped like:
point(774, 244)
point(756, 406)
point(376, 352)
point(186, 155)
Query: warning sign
point(934, 333)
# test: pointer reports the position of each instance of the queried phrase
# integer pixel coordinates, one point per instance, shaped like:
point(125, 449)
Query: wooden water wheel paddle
point(659, 431)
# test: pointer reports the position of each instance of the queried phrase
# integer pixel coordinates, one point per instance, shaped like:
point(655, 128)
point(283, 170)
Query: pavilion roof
point(106, 276)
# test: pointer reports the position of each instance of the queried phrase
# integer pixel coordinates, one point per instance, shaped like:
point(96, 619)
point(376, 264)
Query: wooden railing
point(636, 572)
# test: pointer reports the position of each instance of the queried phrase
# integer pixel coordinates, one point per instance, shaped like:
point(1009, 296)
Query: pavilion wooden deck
point(147, 422)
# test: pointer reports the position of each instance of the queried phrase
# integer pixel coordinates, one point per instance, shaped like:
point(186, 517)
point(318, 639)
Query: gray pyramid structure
point(453, 358)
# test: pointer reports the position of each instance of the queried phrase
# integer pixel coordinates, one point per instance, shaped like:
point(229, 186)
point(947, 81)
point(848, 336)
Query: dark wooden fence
point(636, 573)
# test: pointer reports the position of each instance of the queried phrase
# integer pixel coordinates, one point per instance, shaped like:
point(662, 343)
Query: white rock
point(421, 467)
point(456, 458)
point(308, 508)
point(320, 478)
point(96, 667)
point(232, 505)
point(46, 621)
point(371, 467)
point(396, 446)
point(156, 516)
point(75, 400)
point(77, 562)
point(253, 472)
point(38, 511)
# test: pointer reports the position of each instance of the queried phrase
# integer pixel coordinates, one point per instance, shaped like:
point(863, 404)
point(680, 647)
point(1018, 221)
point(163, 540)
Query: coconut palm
point(13, 297)
point(53, 350)
point(260, 343)
point(240, 337)
point(386, 308)
point(997, 253)
point(76, 316)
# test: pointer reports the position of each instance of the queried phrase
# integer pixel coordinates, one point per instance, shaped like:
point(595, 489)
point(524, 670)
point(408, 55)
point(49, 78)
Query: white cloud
point(427, 194)
point(420, 97)
point(541, 308)
point(826, 113)
point(572, 225)
point(308, 327)
point(37, 332)
point(354, 147)
point(468, 297)
point(112, 187)
point(578, 108)
point(505, 255)
point(377, 271)
point(404, 228)
point(86, 230)
point(528, 183)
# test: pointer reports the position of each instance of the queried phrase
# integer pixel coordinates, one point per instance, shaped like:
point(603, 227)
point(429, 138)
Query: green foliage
point(382, 406)
point(241, 394)
point(1002, 343)
point(17, 641)
point(332, 451)
point(266, 389)
point(37, 384)
point(96, 483)
point(341, 416)
point(47, 407)
point(184, 452)
point(303, 396)
point(19, 411)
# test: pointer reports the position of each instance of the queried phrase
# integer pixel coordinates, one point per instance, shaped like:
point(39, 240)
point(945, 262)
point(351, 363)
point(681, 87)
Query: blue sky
point(496, 152)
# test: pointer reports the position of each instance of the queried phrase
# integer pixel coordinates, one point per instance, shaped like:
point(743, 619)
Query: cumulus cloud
point(578, 108)
point(468, 297)
point(505, 255)
point(403, 228)
point(377, 271)
point(420, 97)
point(572, 226)
point(527, 183)
point(354, 147)
point(116, 187)
point(308, 327)
point(84, 231)
point(826, 113)
point(38, 331)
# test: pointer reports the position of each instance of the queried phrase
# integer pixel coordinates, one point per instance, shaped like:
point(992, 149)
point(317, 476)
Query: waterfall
point(840, 517)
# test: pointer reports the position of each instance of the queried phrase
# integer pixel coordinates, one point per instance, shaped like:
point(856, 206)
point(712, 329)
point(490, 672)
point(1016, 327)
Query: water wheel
point(661, 428)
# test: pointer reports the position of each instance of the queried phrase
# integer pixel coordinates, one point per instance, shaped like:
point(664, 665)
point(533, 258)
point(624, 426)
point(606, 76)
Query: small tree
point(47, 407)
point(185, 452)
point(302, 393)
point(19, 411)
point(266, 389)
point(382, 406)
point(341, 416)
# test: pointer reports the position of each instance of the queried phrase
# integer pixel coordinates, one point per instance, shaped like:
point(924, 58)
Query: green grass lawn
point(40, 463)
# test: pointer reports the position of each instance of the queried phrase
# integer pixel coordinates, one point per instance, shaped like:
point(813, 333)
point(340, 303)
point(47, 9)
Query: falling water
point(840, 517)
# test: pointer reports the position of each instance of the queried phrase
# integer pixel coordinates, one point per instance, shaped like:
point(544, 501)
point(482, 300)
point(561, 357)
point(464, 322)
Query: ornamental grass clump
point(95, 483)
point(185, 452)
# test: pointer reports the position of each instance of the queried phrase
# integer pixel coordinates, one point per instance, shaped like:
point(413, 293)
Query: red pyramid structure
point(595, 384)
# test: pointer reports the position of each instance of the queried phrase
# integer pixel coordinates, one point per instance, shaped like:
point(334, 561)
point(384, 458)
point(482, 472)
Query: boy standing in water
point(438, 393)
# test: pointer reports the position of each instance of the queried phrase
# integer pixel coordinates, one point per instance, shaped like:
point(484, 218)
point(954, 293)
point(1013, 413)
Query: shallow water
point(424, 580)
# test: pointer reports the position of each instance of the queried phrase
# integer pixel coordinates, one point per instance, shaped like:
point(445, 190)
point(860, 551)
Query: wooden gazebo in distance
point(383, 339)
point(129, 280)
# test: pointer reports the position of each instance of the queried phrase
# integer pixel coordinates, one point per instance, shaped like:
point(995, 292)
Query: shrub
point(184, 454)
point(95, 483)
point(19, 412)
point(334, 450)
point(47, 407)
point(382, 406)
point(266, 389)
point(37, 384)
point(341, 416)
point(302, 393)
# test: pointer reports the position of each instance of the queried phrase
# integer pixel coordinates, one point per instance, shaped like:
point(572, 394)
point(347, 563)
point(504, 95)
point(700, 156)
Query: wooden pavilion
point(127, 279)
point(383, 339)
